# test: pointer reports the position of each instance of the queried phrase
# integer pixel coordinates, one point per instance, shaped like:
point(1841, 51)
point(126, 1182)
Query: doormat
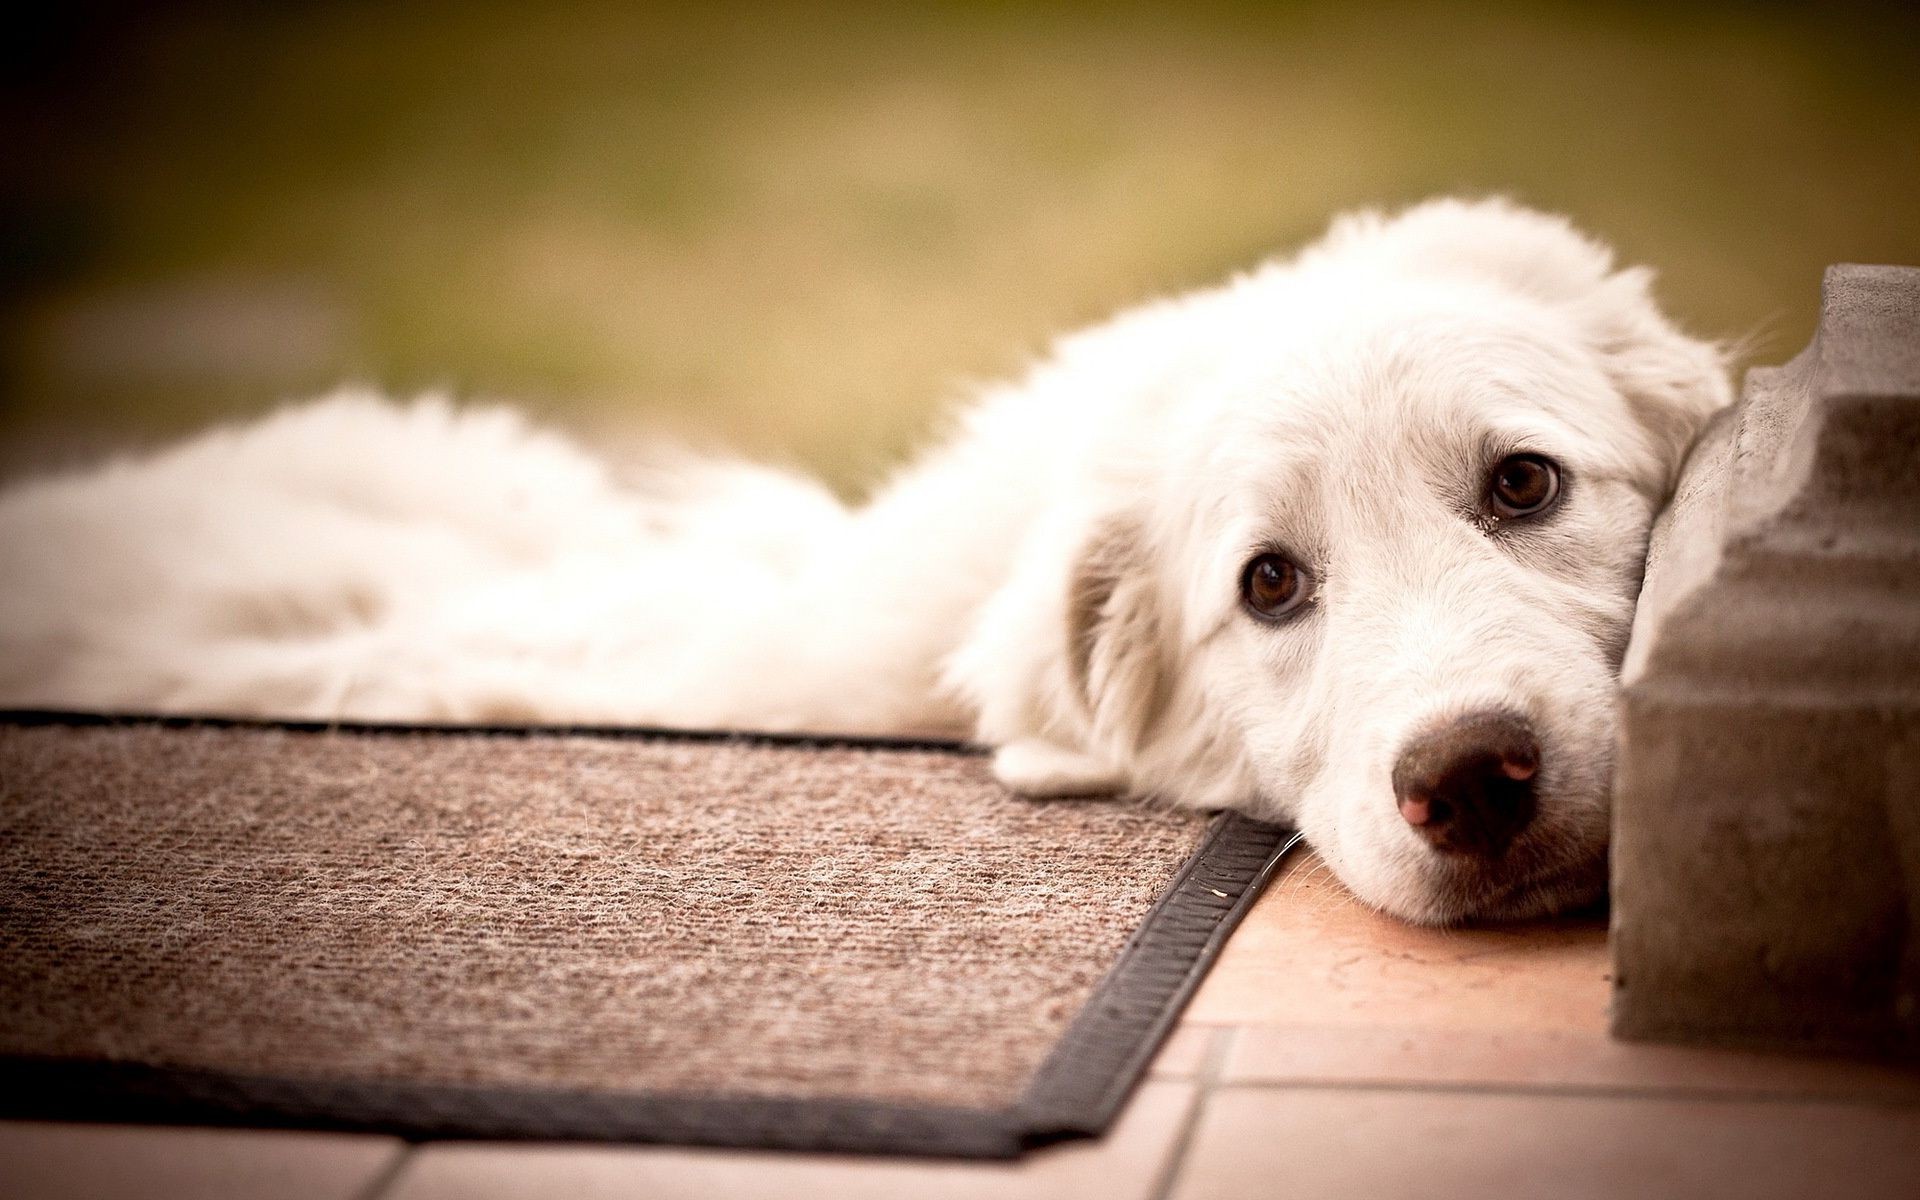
point(612, 934)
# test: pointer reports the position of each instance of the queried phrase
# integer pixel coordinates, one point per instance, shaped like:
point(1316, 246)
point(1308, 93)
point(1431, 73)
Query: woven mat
point(586, 934)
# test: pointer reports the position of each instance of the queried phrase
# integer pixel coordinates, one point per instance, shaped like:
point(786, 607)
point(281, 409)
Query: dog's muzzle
point(1467, 787)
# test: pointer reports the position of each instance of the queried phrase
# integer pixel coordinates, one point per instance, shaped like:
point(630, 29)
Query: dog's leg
point(1034, 767)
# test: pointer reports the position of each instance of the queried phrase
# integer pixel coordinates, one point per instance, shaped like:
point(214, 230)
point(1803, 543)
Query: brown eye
point(1523, 484)
point(1271, 586)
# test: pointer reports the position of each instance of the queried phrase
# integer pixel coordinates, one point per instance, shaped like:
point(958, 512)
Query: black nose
point(1467, 787)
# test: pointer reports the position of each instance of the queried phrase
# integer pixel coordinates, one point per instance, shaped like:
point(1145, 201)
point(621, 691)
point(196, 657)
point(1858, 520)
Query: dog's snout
point(1467, 787)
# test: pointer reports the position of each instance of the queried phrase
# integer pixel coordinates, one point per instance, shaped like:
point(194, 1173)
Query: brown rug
point(597, 934)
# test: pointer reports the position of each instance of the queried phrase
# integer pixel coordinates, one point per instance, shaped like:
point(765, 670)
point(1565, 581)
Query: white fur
point(356, 558)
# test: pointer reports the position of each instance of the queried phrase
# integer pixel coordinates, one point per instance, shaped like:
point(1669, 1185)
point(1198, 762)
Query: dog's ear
point(1673, 383)
point(1115, 638)
point(1096, 677)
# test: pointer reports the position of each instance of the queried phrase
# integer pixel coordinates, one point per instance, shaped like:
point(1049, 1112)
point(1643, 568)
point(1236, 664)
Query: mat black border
point(1076, 1093)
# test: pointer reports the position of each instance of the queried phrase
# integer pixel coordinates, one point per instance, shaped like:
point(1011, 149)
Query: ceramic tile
point(1380, 1145)
point(1184, 1053)
point(1126, 1165)
point(1524, 1058)
point(47, 1161)
point(1310, 954)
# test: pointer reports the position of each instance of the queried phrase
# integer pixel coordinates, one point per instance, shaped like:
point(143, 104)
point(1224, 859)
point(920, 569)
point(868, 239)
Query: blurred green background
point(801, 230)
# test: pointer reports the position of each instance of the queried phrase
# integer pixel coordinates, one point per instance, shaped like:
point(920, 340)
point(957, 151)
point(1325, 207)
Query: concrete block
point(1766, 852)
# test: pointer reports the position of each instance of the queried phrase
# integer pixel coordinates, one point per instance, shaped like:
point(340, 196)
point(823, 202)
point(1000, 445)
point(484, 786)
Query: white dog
point(1352, 541)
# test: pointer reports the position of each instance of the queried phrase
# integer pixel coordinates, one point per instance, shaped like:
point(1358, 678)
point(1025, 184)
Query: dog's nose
point(1467, 787)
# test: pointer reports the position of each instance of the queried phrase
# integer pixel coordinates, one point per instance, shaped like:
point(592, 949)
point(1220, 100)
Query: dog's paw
point(1039, 768)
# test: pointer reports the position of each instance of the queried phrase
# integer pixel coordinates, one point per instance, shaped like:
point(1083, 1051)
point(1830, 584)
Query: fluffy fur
point(1059, 579)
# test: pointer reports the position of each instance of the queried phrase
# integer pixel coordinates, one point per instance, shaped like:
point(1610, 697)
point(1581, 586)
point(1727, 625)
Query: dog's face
point(1375, 574)
point(1421, 560)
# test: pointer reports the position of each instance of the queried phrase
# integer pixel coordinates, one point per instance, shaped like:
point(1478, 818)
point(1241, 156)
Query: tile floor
point(1332, 1053)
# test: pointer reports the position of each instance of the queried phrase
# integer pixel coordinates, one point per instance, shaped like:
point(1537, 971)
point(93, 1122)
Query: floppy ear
point(1116, 646)
point(1673, 383)
point(1070, 670)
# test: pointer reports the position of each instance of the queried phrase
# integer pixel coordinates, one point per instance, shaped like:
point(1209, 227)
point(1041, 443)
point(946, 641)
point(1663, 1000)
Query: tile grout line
point(383, 1180)
point(1219, 1045)
point(1598, 1091)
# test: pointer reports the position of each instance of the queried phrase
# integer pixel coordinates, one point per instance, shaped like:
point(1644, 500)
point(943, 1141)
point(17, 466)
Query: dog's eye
point(1523, 484)
point(1271, 586)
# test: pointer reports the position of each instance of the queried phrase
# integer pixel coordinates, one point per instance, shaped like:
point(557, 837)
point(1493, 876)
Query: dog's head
point(1354, 541)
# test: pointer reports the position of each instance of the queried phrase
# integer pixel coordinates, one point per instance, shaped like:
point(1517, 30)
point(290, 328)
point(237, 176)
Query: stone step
point(1766, 853)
